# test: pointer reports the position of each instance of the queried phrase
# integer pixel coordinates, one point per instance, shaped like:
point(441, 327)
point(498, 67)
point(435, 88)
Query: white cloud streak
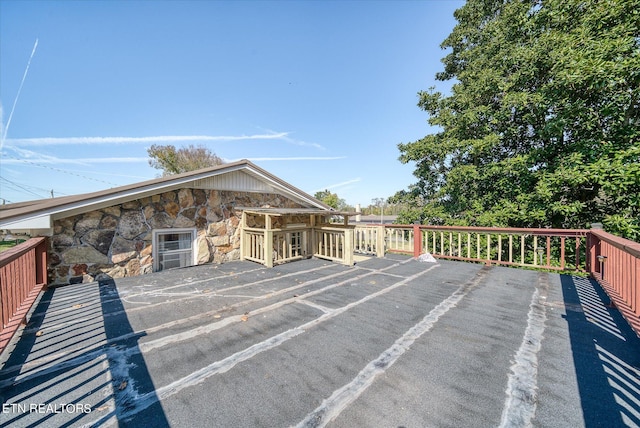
point(301, 158)
point(342, 184)
point(29, 156)
point(78, 161)
point(56, 141)
point(5, 129)
point(296, 142)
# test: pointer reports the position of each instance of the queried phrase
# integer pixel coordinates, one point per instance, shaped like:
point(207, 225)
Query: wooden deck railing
point(333, 243)
point(325, 242)
point(23, 274)
point(557, 249)
point(615, 263)
point(285, 245)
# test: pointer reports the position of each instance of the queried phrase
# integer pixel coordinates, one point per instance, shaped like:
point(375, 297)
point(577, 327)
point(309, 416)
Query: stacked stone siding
point(117, 241)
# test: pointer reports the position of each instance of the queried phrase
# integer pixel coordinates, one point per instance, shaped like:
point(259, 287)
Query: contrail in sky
point(24, 77)
point(51, 141)
point(344, 183)
point(299, 158)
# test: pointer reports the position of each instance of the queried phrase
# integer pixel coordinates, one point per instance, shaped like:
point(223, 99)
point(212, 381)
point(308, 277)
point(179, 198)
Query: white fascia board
point(42, 223)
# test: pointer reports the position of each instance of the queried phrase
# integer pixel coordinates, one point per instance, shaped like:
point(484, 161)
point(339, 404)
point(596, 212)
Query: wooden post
point(348, 247)
point(312, 238)
point(42, 263)
point(417, 241)
point(380, 241)
point(243, 235)
point(268, 241)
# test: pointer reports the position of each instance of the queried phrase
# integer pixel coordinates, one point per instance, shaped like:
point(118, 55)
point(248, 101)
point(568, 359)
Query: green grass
point(5, 245)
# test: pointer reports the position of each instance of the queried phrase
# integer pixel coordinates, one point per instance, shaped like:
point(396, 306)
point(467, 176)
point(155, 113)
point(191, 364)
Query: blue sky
point(318, 93)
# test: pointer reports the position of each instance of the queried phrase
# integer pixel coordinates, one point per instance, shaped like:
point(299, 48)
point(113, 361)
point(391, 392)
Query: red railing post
point(417, 240)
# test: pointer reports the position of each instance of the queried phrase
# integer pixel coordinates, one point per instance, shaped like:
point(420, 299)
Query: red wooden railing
point(615, 263)
point(23, 274)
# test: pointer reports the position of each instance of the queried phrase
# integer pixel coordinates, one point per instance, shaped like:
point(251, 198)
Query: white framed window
point(173, 248)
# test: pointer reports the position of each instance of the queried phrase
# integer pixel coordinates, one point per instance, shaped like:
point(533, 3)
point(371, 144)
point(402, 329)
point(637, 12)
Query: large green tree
point(542, 124)
point(175, 161)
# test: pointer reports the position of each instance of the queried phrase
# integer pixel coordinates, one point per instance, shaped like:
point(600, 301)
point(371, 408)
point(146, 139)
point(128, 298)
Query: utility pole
point(379, 202)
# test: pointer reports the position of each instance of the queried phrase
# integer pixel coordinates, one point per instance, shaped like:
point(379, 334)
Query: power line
point(26, 187)
point(61, 170)
point(21, 187)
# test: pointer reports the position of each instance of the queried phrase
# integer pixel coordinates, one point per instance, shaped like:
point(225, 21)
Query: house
point(374, 218)
point(175, 221)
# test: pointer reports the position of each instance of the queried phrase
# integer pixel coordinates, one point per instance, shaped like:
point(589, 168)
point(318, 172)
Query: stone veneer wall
point(116, 241)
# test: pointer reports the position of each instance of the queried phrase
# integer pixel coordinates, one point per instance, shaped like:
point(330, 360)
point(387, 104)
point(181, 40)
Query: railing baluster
point(434, 242)
point(510, 248)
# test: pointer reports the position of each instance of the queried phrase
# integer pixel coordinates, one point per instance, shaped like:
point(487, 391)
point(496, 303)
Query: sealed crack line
point(97, 348)
point(520, 405)
point(146, 400)
point(343, 397)
point(195, 295)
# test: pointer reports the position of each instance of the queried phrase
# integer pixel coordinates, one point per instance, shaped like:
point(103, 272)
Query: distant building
point(373, 219)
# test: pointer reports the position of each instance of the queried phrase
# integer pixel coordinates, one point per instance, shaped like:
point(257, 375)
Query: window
point(173, 248)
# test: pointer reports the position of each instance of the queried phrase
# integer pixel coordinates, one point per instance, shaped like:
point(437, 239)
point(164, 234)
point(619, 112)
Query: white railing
point(367, 240)
point(290, 245)
point(284, 245)
point(333, 243)
point(539, 248)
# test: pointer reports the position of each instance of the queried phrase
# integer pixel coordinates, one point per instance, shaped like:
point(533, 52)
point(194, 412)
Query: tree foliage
point(542, 126)
point(331, 199)
point(175, 161)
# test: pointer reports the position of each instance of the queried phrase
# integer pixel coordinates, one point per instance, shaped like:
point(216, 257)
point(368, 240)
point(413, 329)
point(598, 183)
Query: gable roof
point(37, 216)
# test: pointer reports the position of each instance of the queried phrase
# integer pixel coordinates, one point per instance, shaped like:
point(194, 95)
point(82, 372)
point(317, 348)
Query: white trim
point(39, 222)
point(155, 247)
